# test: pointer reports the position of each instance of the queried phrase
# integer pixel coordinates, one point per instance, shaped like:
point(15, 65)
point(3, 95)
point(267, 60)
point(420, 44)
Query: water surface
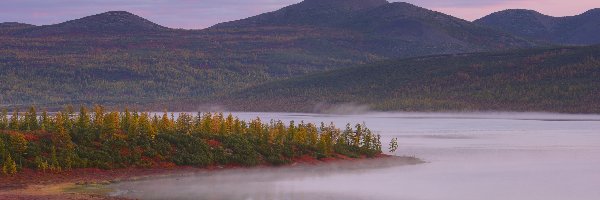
point(470, 156)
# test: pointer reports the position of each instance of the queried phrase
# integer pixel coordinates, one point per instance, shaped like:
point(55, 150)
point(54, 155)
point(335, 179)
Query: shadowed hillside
point(581, 29)
point(560, 80)
point(390, 29)
point(11, 27)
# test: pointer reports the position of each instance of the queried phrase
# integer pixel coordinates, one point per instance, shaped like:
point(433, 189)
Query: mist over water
point(470, 156)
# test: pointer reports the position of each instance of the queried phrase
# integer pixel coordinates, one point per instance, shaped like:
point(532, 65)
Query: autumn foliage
point(108, 140)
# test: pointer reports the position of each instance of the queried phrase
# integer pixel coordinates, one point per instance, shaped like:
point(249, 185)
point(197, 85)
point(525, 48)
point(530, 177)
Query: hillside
point(559, 80)
point(108, 23)
point(121, 58)
point(394, 30)
point(581, 29)
point(11, 27)
point(15, 25)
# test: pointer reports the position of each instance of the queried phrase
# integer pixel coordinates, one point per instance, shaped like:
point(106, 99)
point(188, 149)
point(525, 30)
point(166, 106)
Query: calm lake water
point(472, 156)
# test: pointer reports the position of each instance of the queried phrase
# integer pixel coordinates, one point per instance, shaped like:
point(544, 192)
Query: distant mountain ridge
point(15, 25)
point(120, 58)
point(12, 27)
point(308, 12)
point(389, 29)
point(583, 29)
point(108, 23)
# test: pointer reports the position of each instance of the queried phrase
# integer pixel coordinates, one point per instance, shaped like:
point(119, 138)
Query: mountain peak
point(344, 4)
point(580, 29)
point(116, 18)
point(514, 17)
point(309, 12)
point(118, 13)
point(107, 23)
point(14, 25)
point(595, 11)
point(11, 27)
point(514, 13)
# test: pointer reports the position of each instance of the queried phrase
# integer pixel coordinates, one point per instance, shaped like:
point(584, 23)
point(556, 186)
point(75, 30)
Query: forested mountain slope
point(559, 80)
point(581, 29)
point(391, 29)
point(121, 58)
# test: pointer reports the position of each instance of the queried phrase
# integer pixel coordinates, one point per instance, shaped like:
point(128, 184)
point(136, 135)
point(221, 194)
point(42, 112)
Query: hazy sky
point(194, 14)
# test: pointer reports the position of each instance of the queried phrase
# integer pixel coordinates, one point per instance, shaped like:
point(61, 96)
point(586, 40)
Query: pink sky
point(556, 8)
point(197, 14)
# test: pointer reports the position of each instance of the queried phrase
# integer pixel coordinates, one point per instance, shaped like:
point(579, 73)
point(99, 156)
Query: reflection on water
point(258, 183)
point(470, 156)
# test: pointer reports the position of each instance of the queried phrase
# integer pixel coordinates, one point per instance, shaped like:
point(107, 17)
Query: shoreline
point(72, 184)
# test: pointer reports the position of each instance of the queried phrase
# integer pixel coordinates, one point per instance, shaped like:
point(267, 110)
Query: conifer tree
point(68, 119)
point(144, 127)
point(222, 128)
point(31, 121)
point(2, 149)
point(365, 139)
point(62, 140)
point(291, 133)
point(312, 133)
point(356, 139)
point(229, 123)
point(347, 135)
point(4, 119)
point(9, 166)
point(377, 142)
point(165, 126)
point(3, 154)
point(301, 135)
point(18, 146)
point(393, 145)
point(98, 120)
point(54, 164)
point(14, 123)
point(206, 123)
point(125, 120)
point(45, 123)
point(155, 123)
point(110, 125)
point(133, 123)
point(82, 127)
point(237, 126)
point(216, 123)
point(255, 127)
point(184, 123)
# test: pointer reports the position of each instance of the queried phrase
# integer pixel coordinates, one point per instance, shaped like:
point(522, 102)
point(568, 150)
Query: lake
point(470, 156)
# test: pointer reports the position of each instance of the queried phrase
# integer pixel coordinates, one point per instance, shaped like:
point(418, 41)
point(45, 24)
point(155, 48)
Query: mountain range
point(120, 58)
point(382, 28)
point(581, 29)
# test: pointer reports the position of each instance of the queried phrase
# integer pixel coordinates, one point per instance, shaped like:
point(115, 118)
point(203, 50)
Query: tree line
point(53, 142)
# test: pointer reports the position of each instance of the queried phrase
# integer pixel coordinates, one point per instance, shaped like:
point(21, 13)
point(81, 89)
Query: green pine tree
point(31, 120)
point(14, 123)
point(9, 166)
point(4, 119)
